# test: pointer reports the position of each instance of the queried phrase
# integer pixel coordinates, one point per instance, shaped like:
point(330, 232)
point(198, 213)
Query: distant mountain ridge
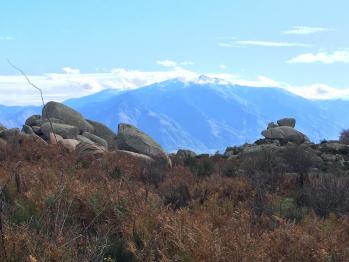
point(204, 116)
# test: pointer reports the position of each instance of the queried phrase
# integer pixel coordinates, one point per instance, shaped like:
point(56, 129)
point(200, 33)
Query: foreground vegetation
point(56, 207)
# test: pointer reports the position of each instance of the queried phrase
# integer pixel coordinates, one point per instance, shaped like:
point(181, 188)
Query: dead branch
point(37, 88)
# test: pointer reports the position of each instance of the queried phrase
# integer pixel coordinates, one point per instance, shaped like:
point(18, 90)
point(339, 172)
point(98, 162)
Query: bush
point(202, 167)
point(177, 196)
point(230, 169)
point(289, 209)
point(264, 171)
point(327, 194)
point(344, 137)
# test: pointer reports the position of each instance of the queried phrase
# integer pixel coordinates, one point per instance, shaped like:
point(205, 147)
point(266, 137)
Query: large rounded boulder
point(291, 122)
point(104, 132)
point(96, 139)
point(84, 150)
point(68, 115)
point(66, 131)
point(285, 134)
point(130, 138)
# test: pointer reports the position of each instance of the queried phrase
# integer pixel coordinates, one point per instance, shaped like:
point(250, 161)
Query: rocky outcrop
point(130, 138)
point(285, 132)
point(69, 124)
point(66, 114)
point(62, 125)
point(284, 139)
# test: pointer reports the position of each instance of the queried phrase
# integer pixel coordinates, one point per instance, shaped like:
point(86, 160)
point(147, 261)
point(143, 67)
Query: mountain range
point(202, 116)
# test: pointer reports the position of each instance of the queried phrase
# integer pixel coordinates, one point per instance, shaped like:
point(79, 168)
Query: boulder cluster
point(280, 138)
point(62, 125)
point(284, 131)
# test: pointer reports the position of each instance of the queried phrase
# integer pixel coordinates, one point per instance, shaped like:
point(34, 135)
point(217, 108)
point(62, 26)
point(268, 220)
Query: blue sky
point(298, 44)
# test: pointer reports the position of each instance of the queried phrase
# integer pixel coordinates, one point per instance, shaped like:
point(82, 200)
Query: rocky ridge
point(90, 138)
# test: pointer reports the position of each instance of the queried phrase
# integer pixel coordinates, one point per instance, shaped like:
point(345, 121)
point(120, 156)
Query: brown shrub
point(344, 137)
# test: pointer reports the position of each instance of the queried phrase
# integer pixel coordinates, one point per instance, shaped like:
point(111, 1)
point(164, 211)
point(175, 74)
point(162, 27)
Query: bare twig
point(37, 88)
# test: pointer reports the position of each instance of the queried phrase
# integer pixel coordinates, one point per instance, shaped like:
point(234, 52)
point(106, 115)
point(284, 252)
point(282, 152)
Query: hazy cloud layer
point(14, 90)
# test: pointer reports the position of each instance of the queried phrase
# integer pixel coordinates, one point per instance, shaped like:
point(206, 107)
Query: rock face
point(130, 138)
point(66, 131)
point(104, 132)
point(67, 115)
point(291, 122)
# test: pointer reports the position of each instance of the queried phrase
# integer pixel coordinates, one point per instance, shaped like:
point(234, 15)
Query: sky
point(72, 48)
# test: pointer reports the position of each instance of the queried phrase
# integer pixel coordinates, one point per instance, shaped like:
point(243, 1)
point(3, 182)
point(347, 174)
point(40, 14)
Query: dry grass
point(104, 210)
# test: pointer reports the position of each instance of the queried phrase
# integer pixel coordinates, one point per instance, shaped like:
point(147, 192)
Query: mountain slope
point(15, 116)
point(208, 117)
point(202, 117)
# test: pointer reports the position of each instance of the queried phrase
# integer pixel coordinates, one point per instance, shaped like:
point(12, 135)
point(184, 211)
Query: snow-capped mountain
point(203, 115)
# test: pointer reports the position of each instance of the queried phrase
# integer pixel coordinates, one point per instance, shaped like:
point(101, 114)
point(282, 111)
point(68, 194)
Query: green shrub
point(117, 251)
point(289, 209)
point(177, 196)
point(115, 173)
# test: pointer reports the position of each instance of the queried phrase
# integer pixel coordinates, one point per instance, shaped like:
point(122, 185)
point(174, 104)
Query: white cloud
point(171, 63)
point(319, 91)
point(305, 30)
point(167, 63)
point(341, 56)
point(6, 38)
point(245, 43)
point(187, 63)
point(223, 67)
point(14, 90)
point(271, 43)
point(69, 70)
